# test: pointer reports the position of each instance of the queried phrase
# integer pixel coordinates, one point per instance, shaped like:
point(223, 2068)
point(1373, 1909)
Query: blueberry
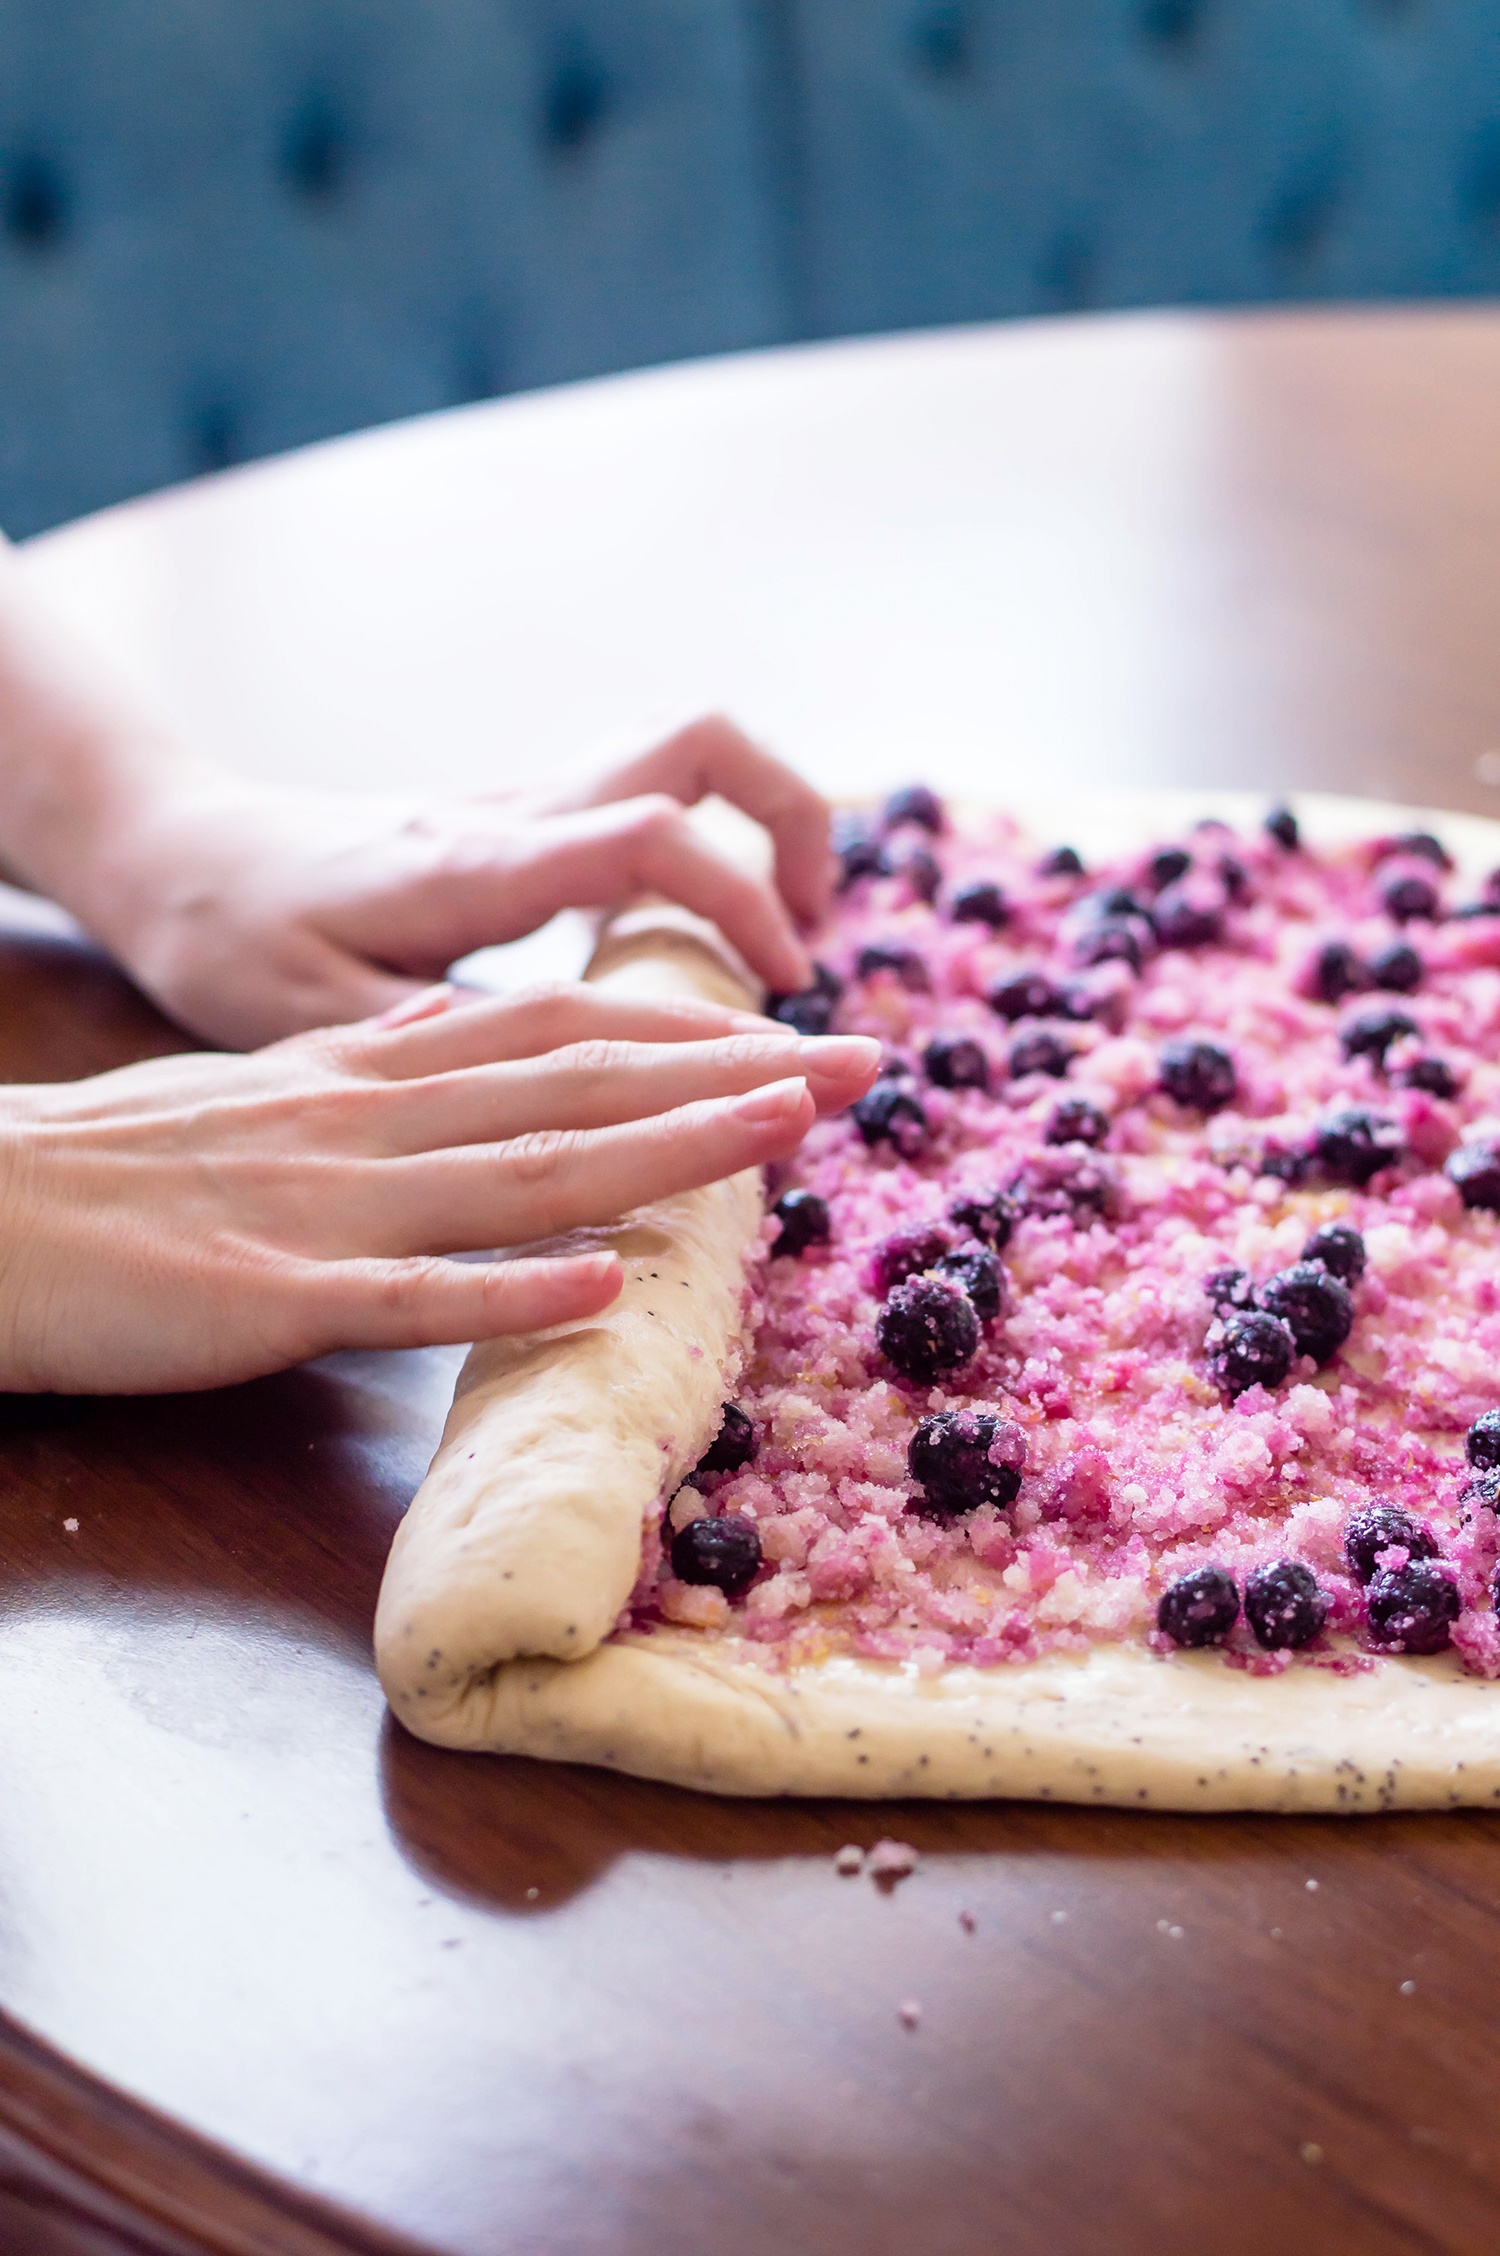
point(893, 956)
point(809, 1012)
point(1074, 1001)
point(860, 855)
point(1075, 1121)
point(1064, 1180)
point(1199, 1608)
point(1255, 1349)
point(1317, 1307)
point(1475, 1169)
point(1434, 1074)
point(1063, 861)
point(1114, 939)
point(804, 1220)
point(1414, 1608)
point(1380, 1527)
point(916, 804)
point(1233, 878)
point(1482, 1441)
point(906, 1253)
point(1285, 1162)
point(1404, 898)
point(1040, 1052)
point(1229, 1289)
point(732, 1446)
point(980, 903)
point(956, 1061)
point(724, 1552)
point(1337, 971)
point(1340, 1248)
point(1167, 864)
point(1351, 1144)
point(921, 872)
point(1025, 994)
point(1398, 968)
point(987, 1214)
point(977, 1272)
point(1422, 845)
point(1481, 1492)
point(1185, 918)
point(1198, 1074)
point(1281, 824)
point(926, 1329)
point(1371, 1033)
point(890, 1114)
point(961, 1459)
point(1115, 901)
point(1284, 1605)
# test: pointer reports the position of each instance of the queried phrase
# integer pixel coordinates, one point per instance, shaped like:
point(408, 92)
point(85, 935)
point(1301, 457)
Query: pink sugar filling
point(1137, 1466)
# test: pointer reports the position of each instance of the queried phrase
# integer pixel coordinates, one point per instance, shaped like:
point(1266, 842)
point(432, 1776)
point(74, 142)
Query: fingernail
point(425, 1005)
point(776, 1102)
point(838, 1053)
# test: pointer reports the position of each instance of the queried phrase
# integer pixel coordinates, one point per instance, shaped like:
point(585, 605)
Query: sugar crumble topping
point(1052, 1261)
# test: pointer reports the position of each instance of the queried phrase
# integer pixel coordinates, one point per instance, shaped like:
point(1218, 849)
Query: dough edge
point(1118, 1726)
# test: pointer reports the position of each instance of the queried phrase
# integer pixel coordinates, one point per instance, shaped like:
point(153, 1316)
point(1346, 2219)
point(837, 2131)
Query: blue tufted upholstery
point(227, 226)
point(1015, 156)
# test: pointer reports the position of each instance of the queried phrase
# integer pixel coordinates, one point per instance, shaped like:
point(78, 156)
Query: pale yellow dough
point(521, 1547)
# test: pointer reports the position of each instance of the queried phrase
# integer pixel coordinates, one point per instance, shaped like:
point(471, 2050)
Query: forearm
point(80, 763)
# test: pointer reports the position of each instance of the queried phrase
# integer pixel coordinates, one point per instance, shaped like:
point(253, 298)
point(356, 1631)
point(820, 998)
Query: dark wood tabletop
point(278, 1978)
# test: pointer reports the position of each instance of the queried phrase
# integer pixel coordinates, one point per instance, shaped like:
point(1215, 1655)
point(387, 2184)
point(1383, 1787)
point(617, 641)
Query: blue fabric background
point(227, 226)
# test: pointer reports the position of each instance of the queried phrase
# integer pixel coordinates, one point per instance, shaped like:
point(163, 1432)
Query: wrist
point(98, 837)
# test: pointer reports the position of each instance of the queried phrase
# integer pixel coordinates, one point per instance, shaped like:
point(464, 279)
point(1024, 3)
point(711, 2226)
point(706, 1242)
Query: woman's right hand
point(198, 1220)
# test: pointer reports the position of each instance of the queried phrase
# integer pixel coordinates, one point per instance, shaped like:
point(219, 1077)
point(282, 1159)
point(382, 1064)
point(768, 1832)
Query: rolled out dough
point(494, 1626)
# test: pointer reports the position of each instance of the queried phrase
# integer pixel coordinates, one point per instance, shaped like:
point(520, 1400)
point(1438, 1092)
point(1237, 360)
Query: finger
point(712, 755)
point(503, 1027)
point(601, 856)
point(434, 1303)
point(536, 1186)
point(598, 1084)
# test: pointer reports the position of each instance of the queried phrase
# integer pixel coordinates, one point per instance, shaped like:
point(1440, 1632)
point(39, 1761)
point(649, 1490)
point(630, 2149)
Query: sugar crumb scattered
point(890, 1861)
point(850, 1858)
point(1058, 1917)
point(908, 2013)
point(1312, 1887)
point(70, 1527)
point(1408, 1989)
point(532, 1894)
point(1311, 2151)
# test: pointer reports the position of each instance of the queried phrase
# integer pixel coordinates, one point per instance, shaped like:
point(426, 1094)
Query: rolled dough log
point(525, 1537)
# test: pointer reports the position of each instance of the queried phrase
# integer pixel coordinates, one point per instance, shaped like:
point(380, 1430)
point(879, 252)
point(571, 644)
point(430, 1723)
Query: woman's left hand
point(251, 912)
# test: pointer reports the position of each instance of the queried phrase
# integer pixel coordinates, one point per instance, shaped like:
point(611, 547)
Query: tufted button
point(1172, 24)
point(1299, 223)
point(34, 205)
point(576, 102)
point(941, 41)
point(212, 438)
point(1481, 188)
point(1067, 274)
point(315, 151)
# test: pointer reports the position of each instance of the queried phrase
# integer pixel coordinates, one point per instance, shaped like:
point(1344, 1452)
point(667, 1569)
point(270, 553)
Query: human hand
point(198, 1220)
point(250, 912)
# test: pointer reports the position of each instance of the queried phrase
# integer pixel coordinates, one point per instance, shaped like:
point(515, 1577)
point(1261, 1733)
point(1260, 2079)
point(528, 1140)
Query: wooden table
point(280, 1979)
